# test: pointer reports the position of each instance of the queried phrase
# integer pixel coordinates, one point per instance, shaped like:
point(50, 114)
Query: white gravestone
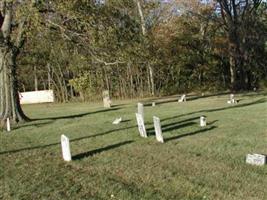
point(65, 144)
point(8, 127)
point(182, 99)
point(106, 99)
point(203, 121)
point(158, 130)
point(141, 125)
point(153, 104)
point(140, 109)
point(256, 159)
point(232, 99)
point(117, 121)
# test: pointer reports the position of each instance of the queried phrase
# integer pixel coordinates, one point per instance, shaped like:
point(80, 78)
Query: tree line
point(133, 48)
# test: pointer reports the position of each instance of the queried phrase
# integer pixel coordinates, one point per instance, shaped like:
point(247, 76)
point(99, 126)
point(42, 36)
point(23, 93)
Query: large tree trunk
point(9, 49)
point(9, 101)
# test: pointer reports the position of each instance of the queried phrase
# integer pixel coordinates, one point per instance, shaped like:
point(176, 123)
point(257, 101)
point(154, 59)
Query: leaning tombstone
point(203, 121)
point(158, 130)
point(65, 145)
point(232, 99)
point(106, 99)
point(141, 125)
point(117, 121)
point(8, 127)
point(182, 99)
point(140, 110)
point(256, 159)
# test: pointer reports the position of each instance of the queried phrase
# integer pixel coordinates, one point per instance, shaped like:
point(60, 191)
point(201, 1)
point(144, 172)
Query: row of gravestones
point(157, 125)
point(254, 159)
point(107, 101)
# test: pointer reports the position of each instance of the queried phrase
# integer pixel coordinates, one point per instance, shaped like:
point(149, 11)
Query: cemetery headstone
point(158, 130)
point(117, 121)
point(141, 125)
point(106, 99)
point(8, 127)
point(65, 145)
point(153, 104)
point(232, 99)
point(256, 159)
point(182, 99)
point(140, 110)
point(203, 121)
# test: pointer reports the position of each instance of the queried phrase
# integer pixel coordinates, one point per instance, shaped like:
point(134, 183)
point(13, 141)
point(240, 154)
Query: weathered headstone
point(158, 130)
point(106, 99)
point(182, 99)
point(153, 104)
point(65, 145)
point(8, 127)
point(141, 125)
point(232, 99)
point(203, 121)
point(117, 121)
point(140, 110)
point(256, 159)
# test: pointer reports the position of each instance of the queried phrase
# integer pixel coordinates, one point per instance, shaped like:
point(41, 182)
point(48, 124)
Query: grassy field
point(114, 162)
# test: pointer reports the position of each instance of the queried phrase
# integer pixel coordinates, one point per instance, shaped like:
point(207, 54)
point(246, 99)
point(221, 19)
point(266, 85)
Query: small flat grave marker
point(256, 159)
point(140, 110)
point(182, 99)
point(158, 130)
point(203, 121)
point(117, 121)
point(141, 125)
point(8, 127)
point(65, 144)
point(232, 99)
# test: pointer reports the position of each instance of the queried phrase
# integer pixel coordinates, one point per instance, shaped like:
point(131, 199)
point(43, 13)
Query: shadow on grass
point(175, 98)
point(170, 127)
point(96, 151)
point(212, 122)
point(77, 115)
point(190, 134)
point(58, 143)
point(234, 106)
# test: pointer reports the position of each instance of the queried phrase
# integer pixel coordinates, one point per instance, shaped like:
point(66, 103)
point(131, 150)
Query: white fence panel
point(42, 96)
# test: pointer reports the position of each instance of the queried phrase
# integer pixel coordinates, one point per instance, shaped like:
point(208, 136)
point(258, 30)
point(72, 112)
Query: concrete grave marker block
point(117, 121)
point(203, 121)
point(182, 99)
point(256, 159)
point(106, 99)
point(153, 104)
point(65, 145)
point(140, 110)
point(8, 127)
point(141, 125)
point(232, 99)
point(158, 130)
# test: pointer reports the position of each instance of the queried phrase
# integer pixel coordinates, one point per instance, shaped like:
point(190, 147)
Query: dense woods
point(133, 48)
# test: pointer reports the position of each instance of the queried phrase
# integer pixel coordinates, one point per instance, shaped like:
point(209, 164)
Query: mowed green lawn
point(114, 162)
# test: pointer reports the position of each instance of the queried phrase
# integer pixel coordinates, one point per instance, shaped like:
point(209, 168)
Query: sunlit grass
point(113, 162)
